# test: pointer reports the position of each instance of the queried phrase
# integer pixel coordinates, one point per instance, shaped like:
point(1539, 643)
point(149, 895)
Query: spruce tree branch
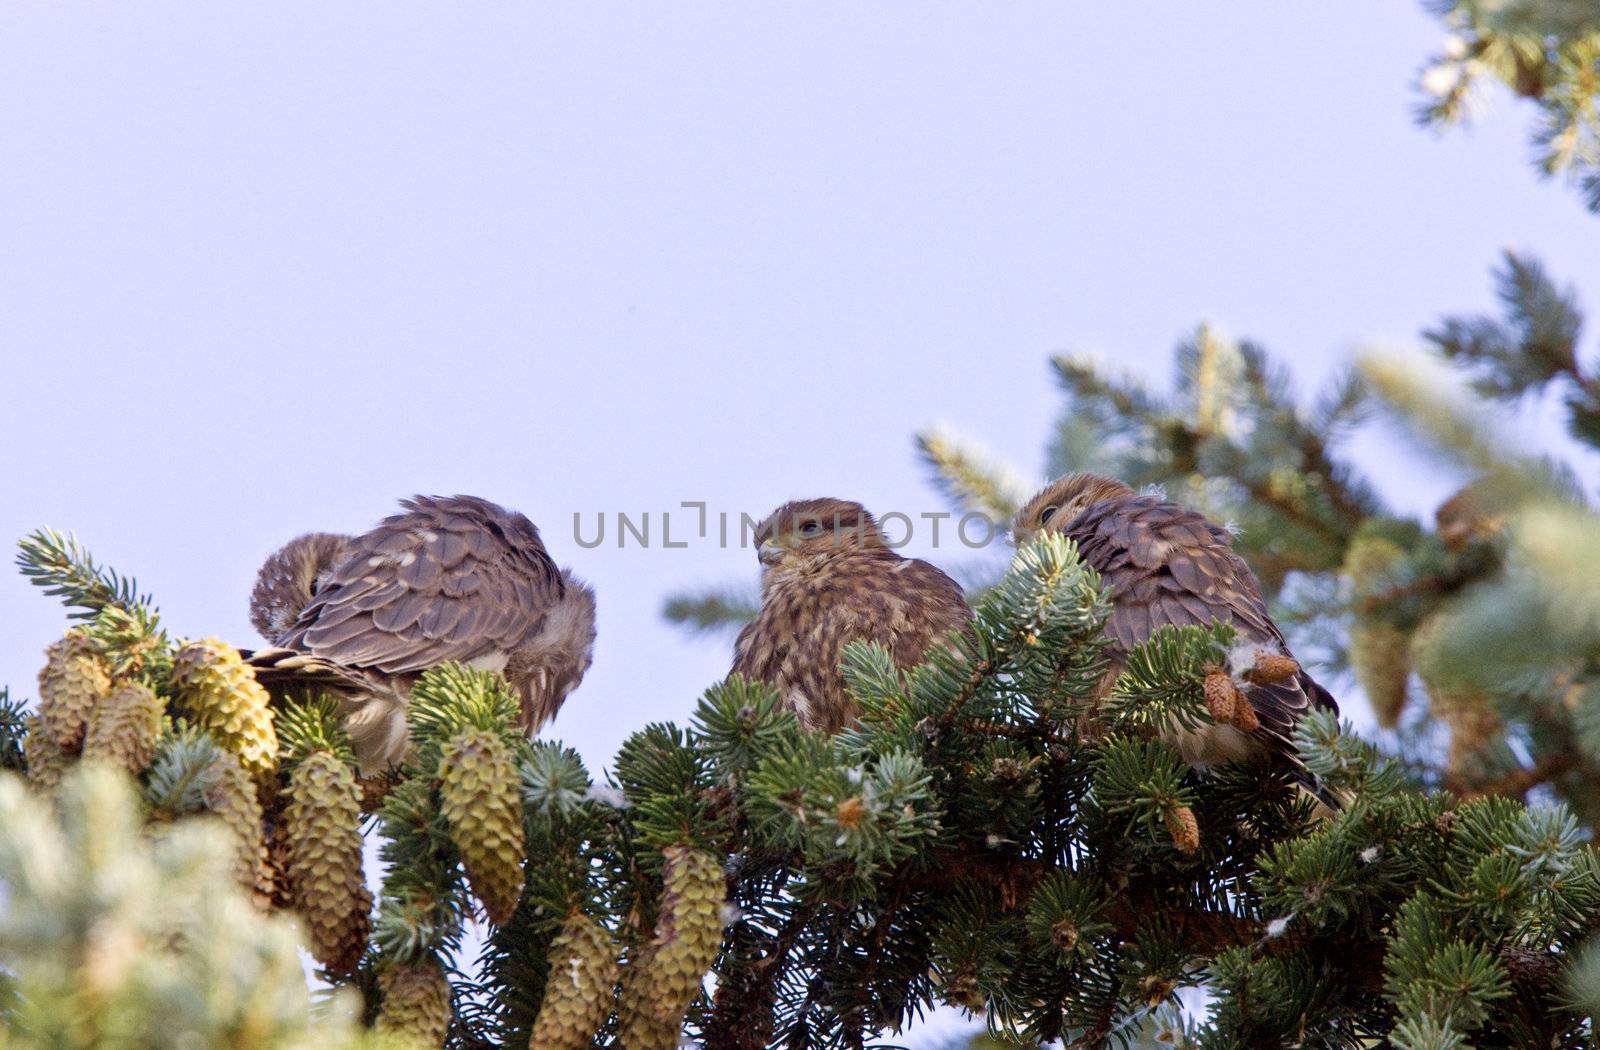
point(1519, 782)
point(1461, 572)
point(879, 934)
point(1315, 459)
point(1293, 512)
point(65, 569)
point(742, 1013)
point(969, 689)
point(1349, 508)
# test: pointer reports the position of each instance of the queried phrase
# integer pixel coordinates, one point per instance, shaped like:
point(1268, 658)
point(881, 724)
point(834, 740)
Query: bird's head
point(1061, 501)
point(807, 531)
point(558, 656)
point(289, 579)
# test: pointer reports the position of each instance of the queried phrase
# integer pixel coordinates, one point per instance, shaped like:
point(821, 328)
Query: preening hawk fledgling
point(450, 578)
point(1166, 564)
point(827, 579)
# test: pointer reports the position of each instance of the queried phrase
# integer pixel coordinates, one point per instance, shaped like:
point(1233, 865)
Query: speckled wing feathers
point(1168, 565)
point(1165, 564)
point(451, 579)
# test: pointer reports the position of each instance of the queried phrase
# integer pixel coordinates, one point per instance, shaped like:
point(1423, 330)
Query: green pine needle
point(13, 730)
point(309, 723)
point(452, 697)
point(712, 610)
point(65, 569)
point(972, 479)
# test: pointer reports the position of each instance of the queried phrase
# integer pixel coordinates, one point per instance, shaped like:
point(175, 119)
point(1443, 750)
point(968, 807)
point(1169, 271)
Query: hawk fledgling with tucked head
point(451, 578)
point(1165, 564)
point(828, 578)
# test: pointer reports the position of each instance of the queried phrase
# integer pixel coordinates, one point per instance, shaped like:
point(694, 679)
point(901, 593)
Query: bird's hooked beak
point(770, 553)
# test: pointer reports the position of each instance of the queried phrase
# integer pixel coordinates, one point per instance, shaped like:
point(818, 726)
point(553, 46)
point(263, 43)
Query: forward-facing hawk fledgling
point(450, 578)
point(1165, 564)
point(828, 578)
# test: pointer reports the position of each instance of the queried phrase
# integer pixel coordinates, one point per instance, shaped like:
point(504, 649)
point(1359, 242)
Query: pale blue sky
point(265, 268)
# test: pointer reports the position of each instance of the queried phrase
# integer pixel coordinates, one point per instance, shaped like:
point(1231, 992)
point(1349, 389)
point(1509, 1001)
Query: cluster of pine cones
point(662, 978)
point(297, 844)
point(294, 808)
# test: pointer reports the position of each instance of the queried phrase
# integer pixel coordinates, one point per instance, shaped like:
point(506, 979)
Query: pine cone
point(71, 685)
point(125, 728)
point(638, 1027)
point(230, 793)
point(1245, 719)
point(1467, 709)
point(47, 763)
point(278, 863)
point(1183, 827)
point(416, 1003)
point(1378, 649)
point(668, 974)
point(323, 828)
point(222, 695)
point(1221, 695)
point(1272, 668)
point(578, 993)
point(482, 804)
point(1370, 560)
point(1473, 513)
point(1380, 657)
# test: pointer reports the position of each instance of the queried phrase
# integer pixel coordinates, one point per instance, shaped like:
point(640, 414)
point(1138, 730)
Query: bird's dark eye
point(811, 528)
point(1049, 512)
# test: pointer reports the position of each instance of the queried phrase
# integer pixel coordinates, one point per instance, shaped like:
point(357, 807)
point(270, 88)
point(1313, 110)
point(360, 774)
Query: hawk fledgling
point(290, 579)
point(450, 578)
point(827, 579)
point(1165, 564)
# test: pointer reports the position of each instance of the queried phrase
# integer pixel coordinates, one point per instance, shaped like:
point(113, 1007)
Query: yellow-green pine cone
point(416, 1003)
point(482, 804)
point(1369, 560)
point(1379, 651)
point(47, 763)
point(638, 1027)
point(1183, 827)
point(230, 793)
point(578, 993)
point(221, 694)
point(323, 826)
point(125, 728)
point(1380, 655)
point(687, 938)
point(73, 682)
point(696, 890)
point(1462, 704)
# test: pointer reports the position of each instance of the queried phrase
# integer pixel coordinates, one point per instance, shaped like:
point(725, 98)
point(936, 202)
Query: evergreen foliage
point(112, 937)
point(712, 610)
point(60, 564)
point(985, 836)
point(1546, 51)
point(1474, 627)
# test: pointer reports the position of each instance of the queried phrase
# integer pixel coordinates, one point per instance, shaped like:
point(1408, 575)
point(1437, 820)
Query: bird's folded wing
point(428, 587)
point(1167, 565)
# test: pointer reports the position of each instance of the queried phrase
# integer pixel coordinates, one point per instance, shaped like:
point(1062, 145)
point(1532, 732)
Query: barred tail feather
point(275, 666)
point(372, 705)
